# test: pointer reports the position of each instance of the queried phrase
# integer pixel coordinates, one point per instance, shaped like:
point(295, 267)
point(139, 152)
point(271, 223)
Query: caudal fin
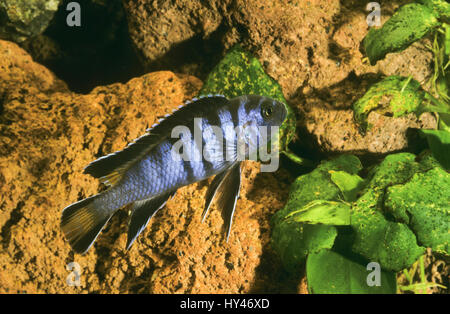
point(81, 223)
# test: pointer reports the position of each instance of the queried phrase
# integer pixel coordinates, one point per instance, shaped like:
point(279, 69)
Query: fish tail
point(82, 221)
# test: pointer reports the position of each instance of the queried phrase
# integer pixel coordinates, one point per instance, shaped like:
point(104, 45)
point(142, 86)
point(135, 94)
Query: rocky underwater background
point(374, 186)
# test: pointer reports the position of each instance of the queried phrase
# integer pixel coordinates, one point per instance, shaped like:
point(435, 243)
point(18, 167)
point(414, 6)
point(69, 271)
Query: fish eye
point(266, 111)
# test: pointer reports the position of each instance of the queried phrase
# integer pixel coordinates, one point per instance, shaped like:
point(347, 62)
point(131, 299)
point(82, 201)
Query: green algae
point(410, 23)
point(423, 203)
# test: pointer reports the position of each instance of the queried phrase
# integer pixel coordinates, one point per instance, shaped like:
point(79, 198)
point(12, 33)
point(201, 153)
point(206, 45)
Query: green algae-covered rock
point(401, 208)
point(410, 23)
point(294, 240)
point(393, 245)
point(239, 73)
point(423, 203)
point(394, 95)
point(390, 243)
point(21, 19)
point(428, 161)
point(394, 169)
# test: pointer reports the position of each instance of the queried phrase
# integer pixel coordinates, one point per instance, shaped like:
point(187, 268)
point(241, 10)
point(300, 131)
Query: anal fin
point(215, 184)
point(143, 211)
point(225, 190)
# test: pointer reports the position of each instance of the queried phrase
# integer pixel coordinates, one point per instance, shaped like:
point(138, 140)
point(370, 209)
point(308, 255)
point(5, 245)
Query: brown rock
point(329, 118)
point(156, 26)
point(313, 43)
point(415, 60)
point(17, 68)
point(49, 134)
point(169, 34)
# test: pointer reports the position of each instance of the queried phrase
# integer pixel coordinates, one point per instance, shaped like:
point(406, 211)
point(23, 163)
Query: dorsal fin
point(110, 168)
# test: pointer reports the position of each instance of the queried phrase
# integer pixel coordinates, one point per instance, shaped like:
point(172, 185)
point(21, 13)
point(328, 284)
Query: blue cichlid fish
point(151, 169)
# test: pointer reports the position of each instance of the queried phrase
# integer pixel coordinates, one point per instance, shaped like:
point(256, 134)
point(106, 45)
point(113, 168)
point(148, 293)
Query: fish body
point(209, 136)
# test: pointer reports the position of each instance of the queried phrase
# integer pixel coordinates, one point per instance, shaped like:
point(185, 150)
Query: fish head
point(266, 111)
point(261, 118)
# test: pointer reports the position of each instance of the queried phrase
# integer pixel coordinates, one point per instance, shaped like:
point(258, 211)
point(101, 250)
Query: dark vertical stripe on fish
point(207, 164)
point(227, 126)
point(196, 162)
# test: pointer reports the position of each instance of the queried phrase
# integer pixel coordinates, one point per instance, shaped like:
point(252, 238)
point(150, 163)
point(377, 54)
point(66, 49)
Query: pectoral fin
point(143, 211)
point(225, 190)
